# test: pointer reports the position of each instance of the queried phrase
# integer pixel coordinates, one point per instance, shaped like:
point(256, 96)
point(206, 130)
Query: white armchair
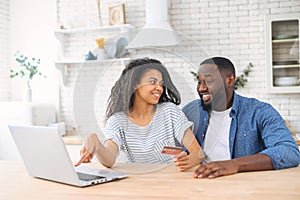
point(21, 113)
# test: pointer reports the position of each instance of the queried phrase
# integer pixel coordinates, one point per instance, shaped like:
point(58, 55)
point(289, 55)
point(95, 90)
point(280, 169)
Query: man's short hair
point(222, 63)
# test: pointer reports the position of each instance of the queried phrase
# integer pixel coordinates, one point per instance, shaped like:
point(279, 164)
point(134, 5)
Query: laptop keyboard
point(88, 177)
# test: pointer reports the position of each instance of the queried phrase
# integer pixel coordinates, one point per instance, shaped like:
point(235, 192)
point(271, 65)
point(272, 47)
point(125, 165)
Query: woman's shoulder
point(168, 107)
point(116, 122)
point(115, 118)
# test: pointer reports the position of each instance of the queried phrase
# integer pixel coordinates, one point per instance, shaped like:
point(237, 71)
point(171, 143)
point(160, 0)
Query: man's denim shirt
point(256, 127)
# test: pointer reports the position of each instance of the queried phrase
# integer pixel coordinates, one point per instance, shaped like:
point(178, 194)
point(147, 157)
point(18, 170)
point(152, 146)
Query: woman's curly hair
point(121, 98)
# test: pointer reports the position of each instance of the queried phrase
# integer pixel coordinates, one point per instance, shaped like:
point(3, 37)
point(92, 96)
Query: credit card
point(171, 150)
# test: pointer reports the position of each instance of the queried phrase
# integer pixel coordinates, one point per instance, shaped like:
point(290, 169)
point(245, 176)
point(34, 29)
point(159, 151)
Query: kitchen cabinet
point(282, 58)
point(75, 43)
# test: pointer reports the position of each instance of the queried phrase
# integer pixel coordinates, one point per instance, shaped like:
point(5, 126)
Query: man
point(237, 133)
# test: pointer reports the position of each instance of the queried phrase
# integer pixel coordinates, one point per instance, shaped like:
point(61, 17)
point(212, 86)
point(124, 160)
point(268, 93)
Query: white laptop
point(45, 156)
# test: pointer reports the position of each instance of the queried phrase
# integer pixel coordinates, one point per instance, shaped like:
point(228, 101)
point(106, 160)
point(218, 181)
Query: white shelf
point(285, 89)
point(88, 62)
point(62, 34)
point(62, 66)
point(285, 66)
point(124, 27)
point(285, 40)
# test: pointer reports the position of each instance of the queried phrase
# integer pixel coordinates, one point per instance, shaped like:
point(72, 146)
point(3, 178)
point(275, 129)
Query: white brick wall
point(4, 51)
point(231, 28)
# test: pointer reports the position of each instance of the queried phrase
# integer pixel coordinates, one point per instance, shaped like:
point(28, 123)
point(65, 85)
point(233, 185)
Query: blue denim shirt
point(256, 127)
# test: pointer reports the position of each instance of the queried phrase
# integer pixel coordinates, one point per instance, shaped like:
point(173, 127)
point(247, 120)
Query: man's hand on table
point(216, 169)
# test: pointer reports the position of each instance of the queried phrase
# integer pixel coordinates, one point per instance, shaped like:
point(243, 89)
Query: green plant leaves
point(242, 79)
point(29, 67)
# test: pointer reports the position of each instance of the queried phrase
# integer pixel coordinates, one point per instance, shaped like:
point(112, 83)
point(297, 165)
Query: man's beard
point(206, 107)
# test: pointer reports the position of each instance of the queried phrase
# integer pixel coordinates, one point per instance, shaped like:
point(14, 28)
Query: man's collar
point(235, 104)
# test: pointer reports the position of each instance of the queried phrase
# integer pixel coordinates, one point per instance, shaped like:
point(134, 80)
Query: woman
point(142, 118)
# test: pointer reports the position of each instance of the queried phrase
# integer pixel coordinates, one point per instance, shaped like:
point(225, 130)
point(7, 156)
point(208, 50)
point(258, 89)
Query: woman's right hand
point(88, 150)
point(86, 156)
point(106, 155)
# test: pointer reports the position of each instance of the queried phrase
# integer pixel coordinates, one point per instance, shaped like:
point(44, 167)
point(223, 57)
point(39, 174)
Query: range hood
point(157, 31)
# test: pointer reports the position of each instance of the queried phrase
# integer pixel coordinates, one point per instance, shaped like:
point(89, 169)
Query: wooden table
point(151, 183)
point(73, 139)
point(297, 140)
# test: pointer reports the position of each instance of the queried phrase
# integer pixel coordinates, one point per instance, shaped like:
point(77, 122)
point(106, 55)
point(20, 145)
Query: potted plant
point(28, 68)
point(241, 80)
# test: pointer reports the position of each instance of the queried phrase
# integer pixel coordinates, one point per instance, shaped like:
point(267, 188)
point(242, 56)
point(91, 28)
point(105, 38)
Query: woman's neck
point(142, 115)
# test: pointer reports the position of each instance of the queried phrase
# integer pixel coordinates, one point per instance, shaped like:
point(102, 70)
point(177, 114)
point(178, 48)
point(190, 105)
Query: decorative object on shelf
point(115, 48)
point(99, 52)
point(287, 81)
point(240, 81)
point(66, 23)
point(284, 37)
point(29, 68)
point(100, 43)
point(61, 25)
point(90, 56)
point(287, 62)
point(110, 48)
point(117, 15)
point(99, 12)
point(121, 47)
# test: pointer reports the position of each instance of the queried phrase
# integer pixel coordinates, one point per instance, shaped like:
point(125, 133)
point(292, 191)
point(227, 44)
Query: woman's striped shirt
point(144, 143)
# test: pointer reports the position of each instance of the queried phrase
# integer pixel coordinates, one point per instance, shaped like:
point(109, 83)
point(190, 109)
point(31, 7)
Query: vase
point(27, 93)
point(100, 54)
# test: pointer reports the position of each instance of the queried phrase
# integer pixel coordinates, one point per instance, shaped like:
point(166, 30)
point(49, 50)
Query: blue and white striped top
point(144, 143)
